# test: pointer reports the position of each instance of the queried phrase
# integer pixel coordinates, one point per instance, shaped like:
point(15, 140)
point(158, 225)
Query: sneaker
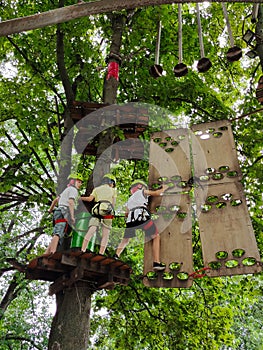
point(158, 266)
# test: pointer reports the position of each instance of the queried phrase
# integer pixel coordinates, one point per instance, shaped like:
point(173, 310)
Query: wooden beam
point(83, 9)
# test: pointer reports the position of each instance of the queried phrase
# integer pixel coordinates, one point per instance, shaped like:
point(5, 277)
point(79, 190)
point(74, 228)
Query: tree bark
point(70, 326)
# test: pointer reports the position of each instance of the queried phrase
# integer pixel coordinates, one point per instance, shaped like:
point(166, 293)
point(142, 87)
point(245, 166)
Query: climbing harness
point(58, 218)
point(141, 216)
point(103, 210)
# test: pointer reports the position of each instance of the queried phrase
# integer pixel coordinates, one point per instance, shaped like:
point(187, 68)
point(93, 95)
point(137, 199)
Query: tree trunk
point(70, 326)
point(67, 137)
point(111, 82)
point(71, 323)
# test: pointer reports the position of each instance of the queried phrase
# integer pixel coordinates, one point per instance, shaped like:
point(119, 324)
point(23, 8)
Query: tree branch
point(84, 9)
point(11, 293)
point(35, 68)
point(34, 152)
point(18, 338)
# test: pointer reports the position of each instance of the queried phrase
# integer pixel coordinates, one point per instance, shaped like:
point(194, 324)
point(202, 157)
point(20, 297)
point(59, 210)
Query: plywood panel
point(225, 226)
point(214, 154)
point(227, 238)
point(169, 155)
point(170, 164)
point(228, 241)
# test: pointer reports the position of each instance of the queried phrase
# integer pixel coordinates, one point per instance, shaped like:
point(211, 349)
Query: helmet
point(138, 182)
point(109, 178)
point(76, 176)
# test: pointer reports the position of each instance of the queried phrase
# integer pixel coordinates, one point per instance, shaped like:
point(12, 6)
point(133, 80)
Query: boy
point(140, 218)
point(63, 215)
point(102, 212)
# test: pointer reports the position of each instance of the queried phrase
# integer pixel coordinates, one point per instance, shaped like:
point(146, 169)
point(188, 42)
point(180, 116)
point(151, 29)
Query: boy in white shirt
point(63, 215)
point(140, 218)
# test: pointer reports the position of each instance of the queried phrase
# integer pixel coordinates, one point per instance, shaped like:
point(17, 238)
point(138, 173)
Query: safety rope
point(196, 273)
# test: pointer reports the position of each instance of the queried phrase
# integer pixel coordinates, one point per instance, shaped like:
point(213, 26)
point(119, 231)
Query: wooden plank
point(58, 285)
point(169, 156)
point(226, 227)
point(83, 9)
point(95, 263)
point(170, 163)
point(176, 247)
point(224, 222)
point(69, 260)
point(42, 274)
point(214, 153)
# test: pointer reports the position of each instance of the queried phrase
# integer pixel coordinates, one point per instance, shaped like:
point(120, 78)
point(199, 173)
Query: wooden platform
point(67, 267)
point(93, 118)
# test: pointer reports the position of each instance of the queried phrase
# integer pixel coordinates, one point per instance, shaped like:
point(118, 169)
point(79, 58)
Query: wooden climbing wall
point(170, 164)
point(228, 242)
point(227, 238)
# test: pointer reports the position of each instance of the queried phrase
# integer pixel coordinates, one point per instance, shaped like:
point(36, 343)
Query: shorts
point(61, 228)
point(97, 222)
point(148, 227)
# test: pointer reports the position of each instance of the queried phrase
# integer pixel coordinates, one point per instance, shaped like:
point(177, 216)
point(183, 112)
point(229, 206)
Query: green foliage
point(27, 321)
point(219, 313)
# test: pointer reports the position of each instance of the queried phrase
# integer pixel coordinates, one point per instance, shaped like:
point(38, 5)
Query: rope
point(228, 25)
point(196, 273)
point(180, 34)
point(158, 43)
point(200, 34)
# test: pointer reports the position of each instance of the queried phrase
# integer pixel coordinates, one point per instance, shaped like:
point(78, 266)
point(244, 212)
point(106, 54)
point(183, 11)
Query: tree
point(53, 67)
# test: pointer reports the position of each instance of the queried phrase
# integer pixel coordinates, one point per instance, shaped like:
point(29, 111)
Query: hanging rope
point(180, 33)
point(180, 69)
point(158, 43)
point(234, 53)
point(255, 13)
point(228, 24)
point(200, 34)
point(156, 70)
point(204, 63)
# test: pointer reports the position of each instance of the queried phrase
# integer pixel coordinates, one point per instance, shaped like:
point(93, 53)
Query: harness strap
point(60, 220)
point(148, 225)
point(96, 210)
point(144, 209)
point(108, 217)
point(151, 228)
